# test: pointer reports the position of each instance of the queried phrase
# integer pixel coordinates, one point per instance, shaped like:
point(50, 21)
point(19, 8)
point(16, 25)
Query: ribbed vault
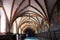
point(28, 11)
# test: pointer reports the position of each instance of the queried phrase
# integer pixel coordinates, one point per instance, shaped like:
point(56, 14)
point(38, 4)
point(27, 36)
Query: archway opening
point(29, 32)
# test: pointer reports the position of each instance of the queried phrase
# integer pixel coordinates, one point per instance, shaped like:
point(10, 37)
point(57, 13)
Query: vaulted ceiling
point(36, 10)
point(14, 8)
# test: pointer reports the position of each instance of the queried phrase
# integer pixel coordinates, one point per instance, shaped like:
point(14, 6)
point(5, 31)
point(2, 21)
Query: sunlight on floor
point(31, 38)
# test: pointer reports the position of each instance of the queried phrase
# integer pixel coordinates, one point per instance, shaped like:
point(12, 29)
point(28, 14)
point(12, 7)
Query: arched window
point(3, 21)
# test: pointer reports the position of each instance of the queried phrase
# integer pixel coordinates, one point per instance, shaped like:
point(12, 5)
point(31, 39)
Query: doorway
point(29, 32)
